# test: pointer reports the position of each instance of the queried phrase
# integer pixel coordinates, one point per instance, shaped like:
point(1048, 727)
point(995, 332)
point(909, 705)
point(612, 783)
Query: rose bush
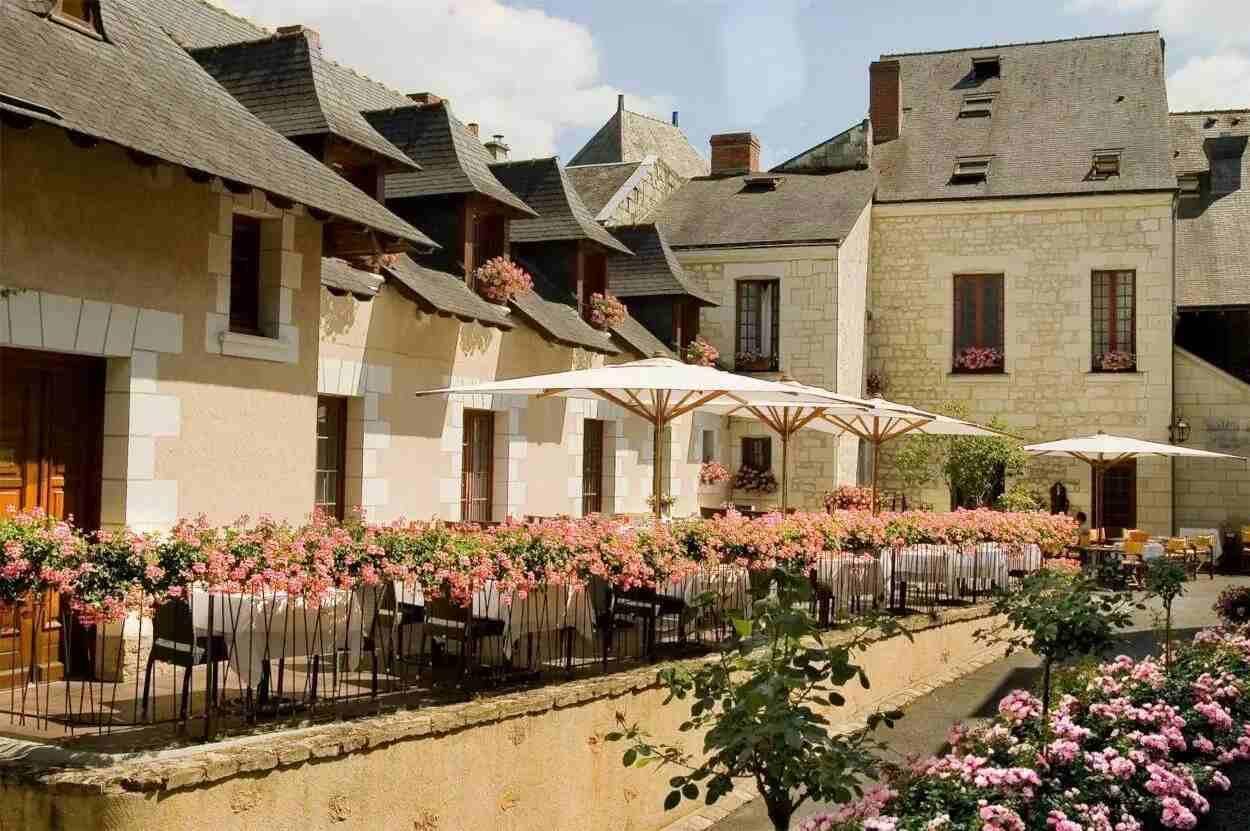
point(105, 575)
point(1132, 745)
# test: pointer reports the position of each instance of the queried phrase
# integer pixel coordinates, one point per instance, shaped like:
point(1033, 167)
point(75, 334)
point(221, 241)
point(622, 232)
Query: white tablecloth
point(978, 568)
point(262, 628)
point(1217, 550)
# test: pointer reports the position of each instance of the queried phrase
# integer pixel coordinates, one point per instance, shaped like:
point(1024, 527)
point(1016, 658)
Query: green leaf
point(672, 800)
point(629, 758)
point(614, 737)
point(743, 627)
point(690, 791)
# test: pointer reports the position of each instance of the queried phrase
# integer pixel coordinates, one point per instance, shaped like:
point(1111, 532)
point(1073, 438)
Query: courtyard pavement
point(923, 729)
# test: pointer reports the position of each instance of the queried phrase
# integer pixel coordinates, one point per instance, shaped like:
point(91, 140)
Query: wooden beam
point(142, 159)
point(81, 140)
point(200, 177)
point(236, 187)
point(694, 405)
point(16, 120)
point(280, 202)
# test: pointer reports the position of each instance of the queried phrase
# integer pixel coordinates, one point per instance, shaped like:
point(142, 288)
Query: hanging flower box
point(753, 480)
point(701, 353)
point(499, 280)
point(979, 359)
point(712, 473)
point(754, 362)
point(1116, 361)
point(606, 311)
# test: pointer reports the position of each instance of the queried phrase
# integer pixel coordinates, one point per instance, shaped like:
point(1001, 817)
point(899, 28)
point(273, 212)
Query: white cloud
point(1211, 83)
point(520, 72)
point(1207, 22)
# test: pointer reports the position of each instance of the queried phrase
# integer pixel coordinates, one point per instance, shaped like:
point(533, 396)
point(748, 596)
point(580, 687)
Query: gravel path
point(923, 729)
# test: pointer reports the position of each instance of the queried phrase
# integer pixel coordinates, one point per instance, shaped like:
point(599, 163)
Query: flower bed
point(104, 576)
point(1130, 746)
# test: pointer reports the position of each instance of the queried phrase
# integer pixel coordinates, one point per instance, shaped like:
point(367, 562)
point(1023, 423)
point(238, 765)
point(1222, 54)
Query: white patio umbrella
point(787, 418)
point(658, 390)
point(1102, 451)
point(884, 421)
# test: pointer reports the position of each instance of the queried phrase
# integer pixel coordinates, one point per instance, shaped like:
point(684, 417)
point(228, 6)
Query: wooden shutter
point(478, 462)
point(592, 467)
point(245, 276)
point(979, 310)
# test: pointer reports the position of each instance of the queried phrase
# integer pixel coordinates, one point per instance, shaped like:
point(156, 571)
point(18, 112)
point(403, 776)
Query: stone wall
point(642, 194)
point(814, 345)
point(1046, 249)
point(532, 759)
point(1212, 494)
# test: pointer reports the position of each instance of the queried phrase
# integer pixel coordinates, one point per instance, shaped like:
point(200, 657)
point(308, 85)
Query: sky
point(795, 72)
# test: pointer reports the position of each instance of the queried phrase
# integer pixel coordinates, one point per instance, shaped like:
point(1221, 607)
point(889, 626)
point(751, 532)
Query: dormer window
point(970, 170)
point(1106, 164)
point(986, 67)
point(79, 14)
point(1224, 156)
point(763, 181)
point(977, 106)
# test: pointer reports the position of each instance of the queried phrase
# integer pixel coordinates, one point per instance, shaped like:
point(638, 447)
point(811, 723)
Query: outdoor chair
point(611, 619)
point(453, 622)
point(652, 606)
point(385, 637)
point(174, 641)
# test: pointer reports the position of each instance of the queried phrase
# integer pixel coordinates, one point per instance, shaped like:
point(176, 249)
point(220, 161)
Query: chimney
point(473, 128)
point(497, 149)
point(425, 99)
point(735, 153)
point(675, 124)
point(620, 103)
point(884, 101)
point(311, 35)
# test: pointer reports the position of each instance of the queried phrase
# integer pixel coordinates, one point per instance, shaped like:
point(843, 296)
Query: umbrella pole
point(785, 471)
point(876, 448)
point(657, 475)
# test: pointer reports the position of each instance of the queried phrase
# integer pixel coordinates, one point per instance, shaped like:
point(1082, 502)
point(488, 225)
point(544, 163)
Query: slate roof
point(725, 211)
point(446, 293)
point(340, 276)
point(653, 270)
point(1213, 230)
point(285, 82)
point(552, 308)
point(452, 159)
point(196, 24)
point(596, 184)
point(140, 90)
point(1054, 105)
point(639, 339)
point(562, 215)
point(631, 137)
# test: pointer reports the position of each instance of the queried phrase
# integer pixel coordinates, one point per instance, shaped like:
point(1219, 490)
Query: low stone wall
point(530, 760)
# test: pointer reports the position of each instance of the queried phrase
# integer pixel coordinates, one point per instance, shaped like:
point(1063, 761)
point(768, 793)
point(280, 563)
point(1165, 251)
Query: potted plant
point(1116, 360)
point(979, 359)
point(606, 311)
point(876, 384)
point(499, 280)
point(754, 480)
point(751, 361)
point(1233, 605)
point(701, 353)
point(712, 473)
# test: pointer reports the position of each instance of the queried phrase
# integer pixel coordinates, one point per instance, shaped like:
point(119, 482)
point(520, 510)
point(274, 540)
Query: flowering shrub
point(753, 361)
point(753, 480)
point(1233, 605)
point(701, 353)
point(606, 311)
point(1132, 746)
point(104, 577)
point(499, 280)
point(712, 473)
point(849, 498)
point(979, 358)
point(1117, 361)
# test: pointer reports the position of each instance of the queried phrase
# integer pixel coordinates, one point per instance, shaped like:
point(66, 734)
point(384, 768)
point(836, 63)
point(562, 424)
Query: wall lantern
point(1178, 431)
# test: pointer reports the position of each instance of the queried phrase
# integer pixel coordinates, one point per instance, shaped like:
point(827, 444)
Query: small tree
point(1165, 579)
point(1059, 617)
point(760, 703)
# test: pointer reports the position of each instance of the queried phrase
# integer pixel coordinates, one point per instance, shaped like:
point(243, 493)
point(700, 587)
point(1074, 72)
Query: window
point(478, 467)
point(490, 236)
point(709, 446)
point(977, 106)
point(759, 317)
point(1106, 164)
point(245, 276)
point(81, 14)
point(757, 452)
point(1114, 305)
point(986, 67)
point(969, 170)
point(592, 467)
point(978, 330)
point(1224, 156)
point(331, 450)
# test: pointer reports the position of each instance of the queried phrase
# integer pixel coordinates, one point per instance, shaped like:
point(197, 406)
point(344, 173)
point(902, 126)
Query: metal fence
point(216, 664)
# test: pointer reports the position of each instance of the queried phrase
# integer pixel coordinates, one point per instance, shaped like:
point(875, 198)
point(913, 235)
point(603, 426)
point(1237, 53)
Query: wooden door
point(477, 476)
point(51, 427)
point(1119, 498)
point(592, 467)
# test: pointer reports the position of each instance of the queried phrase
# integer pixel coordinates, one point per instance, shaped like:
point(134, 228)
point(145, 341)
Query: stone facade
point(641, 194)
point(1046, 250)
point(1212, 494)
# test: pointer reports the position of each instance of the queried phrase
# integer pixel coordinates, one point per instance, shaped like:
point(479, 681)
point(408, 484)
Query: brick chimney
point(312, 35)
point(675, 122)
point(425, 99)
point(885, 101)
point(497, 149)
point(735, 153)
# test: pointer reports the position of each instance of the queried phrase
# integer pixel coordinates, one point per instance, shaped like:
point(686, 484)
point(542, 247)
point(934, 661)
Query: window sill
point(256, 347)
point(956, 373)
point(1111, 374)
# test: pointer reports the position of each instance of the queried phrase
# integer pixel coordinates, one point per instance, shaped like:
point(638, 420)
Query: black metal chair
point(174, 641)
point(453, 622)
point(609, 620)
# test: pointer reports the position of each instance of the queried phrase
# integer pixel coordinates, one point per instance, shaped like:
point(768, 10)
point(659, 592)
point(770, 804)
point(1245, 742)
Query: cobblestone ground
point(976, 695)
